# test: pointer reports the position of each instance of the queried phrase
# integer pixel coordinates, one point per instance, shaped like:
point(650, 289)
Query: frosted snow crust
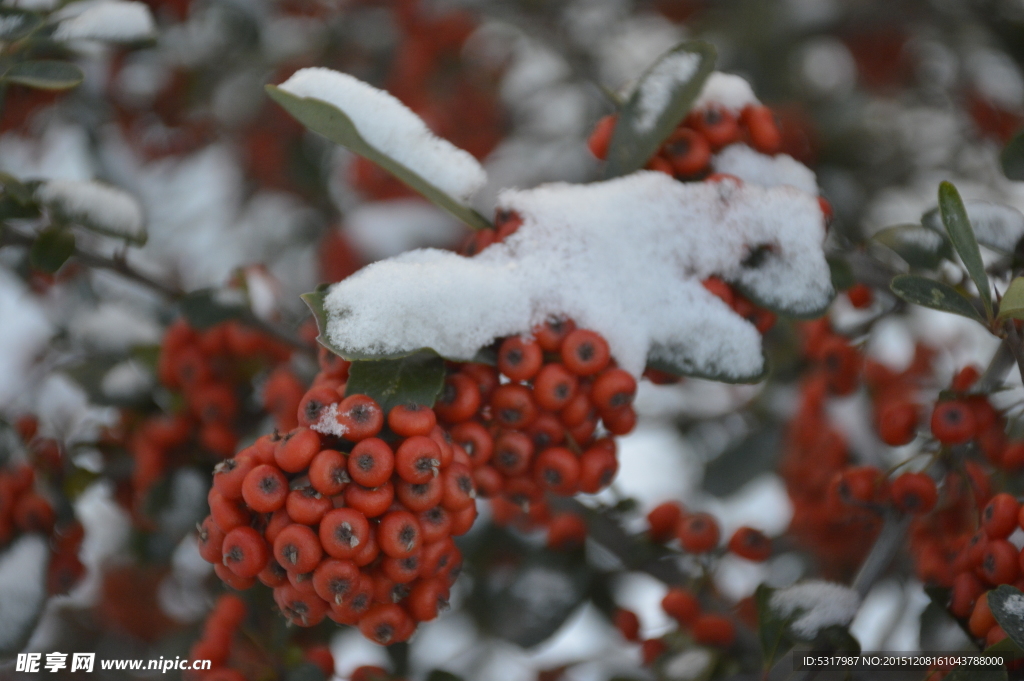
point(822, 604)
point(108, 20)
point(96, 204)
point(393, 129)
point(767, 171)
point(623, 257)
point(727, 91)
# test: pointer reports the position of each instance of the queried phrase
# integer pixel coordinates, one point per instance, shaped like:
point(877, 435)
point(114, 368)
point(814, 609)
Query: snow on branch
point(393, 129)
point(94, 205)
point(107, 20)
point(624, 257)
point(818, 604)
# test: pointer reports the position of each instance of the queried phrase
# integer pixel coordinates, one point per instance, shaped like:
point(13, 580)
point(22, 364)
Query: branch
point(119, 264)
point(1013, 340)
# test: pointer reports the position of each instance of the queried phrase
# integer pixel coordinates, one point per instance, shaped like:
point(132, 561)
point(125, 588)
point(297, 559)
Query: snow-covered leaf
point(95, 206)
point(415, 379)
point(661, 100)
point(1012, 158)
point(22, 591)
point(116, 21)
point(1007, 606)
point(51, 249)
point(933, 294)
point(44, 74)
point(920, 247)
point(373, 124)
point(996, 226)
point(1012, 304)
point(958, 226)
point(16, 25)
point(624, 257)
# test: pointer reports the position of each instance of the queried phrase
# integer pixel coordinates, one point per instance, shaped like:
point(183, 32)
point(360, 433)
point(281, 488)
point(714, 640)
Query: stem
point(997, 368)
point(1013, 339)
point(887, 545)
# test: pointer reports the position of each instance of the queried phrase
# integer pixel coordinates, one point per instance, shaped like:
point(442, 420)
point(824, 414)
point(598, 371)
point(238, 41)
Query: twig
point(887, 545)
point(1013, 339)
point(997, 368)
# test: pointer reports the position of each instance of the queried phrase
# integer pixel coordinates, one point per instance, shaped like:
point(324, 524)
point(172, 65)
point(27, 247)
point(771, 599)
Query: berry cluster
point(211, 369)
point(344, 517)
point(540, 422)
point(25, 509)
point(686, 154)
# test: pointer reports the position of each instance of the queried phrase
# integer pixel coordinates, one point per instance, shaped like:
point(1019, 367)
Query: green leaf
point(637, 136)
point(414, 379)
point(919, 246)
point(1012, 158)
point(772, 630)
point(16, 25)
point(51, 249)
point(17, 190)
point(1012, 303)
point(524, 593)
point(1007, 606)
point(441, 675)
point(756, 454)
point(934, 294)
point(335, 125)
point(314, 300)
point(44, 74)
point(954, 217)
point(306, 671)
point(840, 272)
point(208, 307)
point(674, 361)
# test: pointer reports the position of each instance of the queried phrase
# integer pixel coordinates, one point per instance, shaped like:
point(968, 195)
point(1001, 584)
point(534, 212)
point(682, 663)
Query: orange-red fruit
point(764, 133)
point(613, 389)
point(860, 295)
point(566, 531)
point(698, 533)
point(663, 520)
point(386, 623)
point(981, 619)
point(601, 136)
point(714, 630)
point(360, 417)
point(245, 551)
point(585, 353)
point(751, 544)
point(687, 151)
point(999, 562)
point(953, 422)
point(681, 605)
point(411, 419)
point(265, 489)
point(897, 423)
point(554, 386)
point(627, 623)
point(914, 493)
point(344, 532)
point(371, 462)
point(520, 359)
point(999, 518)
point(296, 450)
point(298, 549)
point(417, 460)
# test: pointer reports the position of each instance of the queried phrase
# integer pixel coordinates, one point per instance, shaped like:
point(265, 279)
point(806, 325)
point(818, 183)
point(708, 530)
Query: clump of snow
point(95, 205)
point(11, 23)
point(818, 604)
point(393, 129)
point(623, 257)
point(328, 423)
point(655, 90)
point(727, 91)
point(688, 665)
point(1014, 605)
point(107, 20)
point(126, 379)
point(767, 171)
point(22, 587)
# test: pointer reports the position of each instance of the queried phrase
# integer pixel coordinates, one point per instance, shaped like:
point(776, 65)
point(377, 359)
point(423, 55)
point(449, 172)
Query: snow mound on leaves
point(818, 604)
point(624, 257)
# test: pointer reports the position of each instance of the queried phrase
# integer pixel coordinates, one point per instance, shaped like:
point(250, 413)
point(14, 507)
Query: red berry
point(681, 605)
point(914, 493)
point(627, 623)
point(298, 549)
point(360, 417)
point(398, 534)
point(343, 532)
point(371, 462)
point(265, 489)
point(585, 353)
point(999, 518)
point(698, 533)
point(417, 459)
point(751, 544)
point(520, 359)
point(953, 422)
point(245, 551)
point(411, 419)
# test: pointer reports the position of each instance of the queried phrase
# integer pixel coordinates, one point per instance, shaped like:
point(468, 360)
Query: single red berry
point(965, 592)
point(245, 551)
point(718, 125)
point(229, 475)
point(513, 453)
point(897, 422)
point(566, 531)
point(385, 623)
point(557, 469)
point(411, 419)
point(698, 533)
point(761, 127)
point(601, 136)
point(328, 472)
point(915, 493)
point(360, 417)
point(475, 439)
point(298, 549)
point(520, 359)
point(459, 489)
point(371, 462)
point(627, 623)
point(552, 333)
point(343, 532)
point(399, 534)
point(315, 403)
point(211, 538)
point(427, 599)
point(999, 518)
point(663, 520)
point(307, 506)
point(335, 580)
point(688, 152)
point(435, 524)
point(296, 450)
point(861, 296)
point(419, 497)
point(417, 459)
point(999, 562)
point(302, 609)
point(598, 467)
point(953, 422)
point(751, 544)
point(227, 514)
point(713, 630)
point(585, 353)
point(965, 378)
point(459, 399)
point(613, 389)
point(512, 406)
point(370, 501)
point(681, 605)
point(265, 489)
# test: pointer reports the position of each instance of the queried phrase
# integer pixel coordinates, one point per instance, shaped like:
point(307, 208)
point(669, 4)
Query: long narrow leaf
point(954, 217)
